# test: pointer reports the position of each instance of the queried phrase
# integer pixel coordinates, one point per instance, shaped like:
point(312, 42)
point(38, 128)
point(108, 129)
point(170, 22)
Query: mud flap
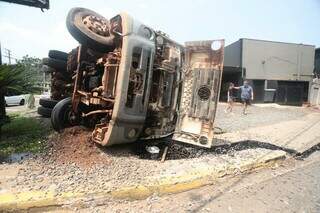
point(200, 92)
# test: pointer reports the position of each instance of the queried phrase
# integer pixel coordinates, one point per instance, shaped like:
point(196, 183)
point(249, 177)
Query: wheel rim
point(66, 117)
point(96, 25)
point(70, 119)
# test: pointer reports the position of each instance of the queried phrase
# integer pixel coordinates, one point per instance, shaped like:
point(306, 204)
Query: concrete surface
point(295, 135)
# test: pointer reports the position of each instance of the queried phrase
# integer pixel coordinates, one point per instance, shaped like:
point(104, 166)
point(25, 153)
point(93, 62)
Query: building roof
point(277, 42)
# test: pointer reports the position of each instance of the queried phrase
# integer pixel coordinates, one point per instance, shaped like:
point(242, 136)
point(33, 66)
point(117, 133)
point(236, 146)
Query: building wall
point(317, 62)
point(232, 55)
point(277, 60)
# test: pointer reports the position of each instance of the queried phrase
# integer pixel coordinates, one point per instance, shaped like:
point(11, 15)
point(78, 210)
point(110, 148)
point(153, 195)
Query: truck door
point(200, 92)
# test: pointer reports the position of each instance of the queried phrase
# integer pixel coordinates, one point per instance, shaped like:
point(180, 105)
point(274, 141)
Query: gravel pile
point(74, 163)
point(74, 146)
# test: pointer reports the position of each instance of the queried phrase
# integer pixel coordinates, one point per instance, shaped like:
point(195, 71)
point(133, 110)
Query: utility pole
point(8, 55)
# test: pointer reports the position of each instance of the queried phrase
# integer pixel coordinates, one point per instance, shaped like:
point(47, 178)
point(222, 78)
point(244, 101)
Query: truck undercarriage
point(131, 82)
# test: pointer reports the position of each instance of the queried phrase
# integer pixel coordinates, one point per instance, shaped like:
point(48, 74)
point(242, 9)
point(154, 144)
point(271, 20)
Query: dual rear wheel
point(91, 30)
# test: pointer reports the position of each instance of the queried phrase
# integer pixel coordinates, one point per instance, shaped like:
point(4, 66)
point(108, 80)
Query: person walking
point(231, 97)
point(246, 95)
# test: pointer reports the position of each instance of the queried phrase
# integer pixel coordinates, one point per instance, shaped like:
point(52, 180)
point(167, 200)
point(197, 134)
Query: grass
point(23, 134)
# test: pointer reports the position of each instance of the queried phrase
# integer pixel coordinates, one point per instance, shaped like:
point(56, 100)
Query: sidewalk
point(296, 135)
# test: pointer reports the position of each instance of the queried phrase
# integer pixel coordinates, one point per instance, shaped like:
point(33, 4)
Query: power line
point(8, 54)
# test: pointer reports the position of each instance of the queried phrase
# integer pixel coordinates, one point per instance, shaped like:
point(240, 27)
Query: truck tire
point(81, 22)
point(44, 111)
point(60, 115)
point(56, 54)
point(47, 102)
point(56, 64)
point(64, 76)
point(72, 62)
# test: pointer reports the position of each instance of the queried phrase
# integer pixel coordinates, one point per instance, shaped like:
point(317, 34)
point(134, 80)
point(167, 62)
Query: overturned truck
point(131, 82)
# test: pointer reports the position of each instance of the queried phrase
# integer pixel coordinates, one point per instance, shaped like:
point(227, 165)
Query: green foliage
point(22, 134)
point(13, 80)
point(20, 78)
point(32, 72)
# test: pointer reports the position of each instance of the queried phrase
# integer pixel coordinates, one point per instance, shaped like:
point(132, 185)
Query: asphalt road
point(293, 189)
point(293, 186)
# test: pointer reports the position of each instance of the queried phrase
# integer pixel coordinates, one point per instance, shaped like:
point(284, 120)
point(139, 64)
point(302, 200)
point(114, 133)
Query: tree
point(16, 79)
point(32, 73)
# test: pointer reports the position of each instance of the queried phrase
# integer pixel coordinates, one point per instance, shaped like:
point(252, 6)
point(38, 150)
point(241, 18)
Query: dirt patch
point(75, 146)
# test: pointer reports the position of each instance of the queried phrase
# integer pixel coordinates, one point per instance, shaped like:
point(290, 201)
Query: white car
point(15, 100)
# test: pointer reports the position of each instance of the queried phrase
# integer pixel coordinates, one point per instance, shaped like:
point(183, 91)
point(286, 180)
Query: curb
point(167, 185)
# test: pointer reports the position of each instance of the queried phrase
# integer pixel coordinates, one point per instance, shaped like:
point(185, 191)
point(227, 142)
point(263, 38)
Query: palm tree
point(12, 79)
point(19, 78)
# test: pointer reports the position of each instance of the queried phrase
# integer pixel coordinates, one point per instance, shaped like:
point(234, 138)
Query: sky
point(29, 31)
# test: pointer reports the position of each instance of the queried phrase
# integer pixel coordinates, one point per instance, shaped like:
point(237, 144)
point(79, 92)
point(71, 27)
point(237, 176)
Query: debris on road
point(75, 146)
point(164, 154)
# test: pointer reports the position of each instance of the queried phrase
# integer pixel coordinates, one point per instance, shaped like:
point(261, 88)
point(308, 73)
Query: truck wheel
point(64, 76)
point(72, 62)
point(61, 114)
point(56, 54)
point(46, 102)
point(90, 29)
point(44, 111)
point(55, 63)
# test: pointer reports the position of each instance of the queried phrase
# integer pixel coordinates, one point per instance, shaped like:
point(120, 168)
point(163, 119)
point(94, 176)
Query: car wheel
point(44, 111)
point(61, 115)
point(22, 102)
point(56, 54)
point(57, 64)
point(46, 102)
point(90, 29)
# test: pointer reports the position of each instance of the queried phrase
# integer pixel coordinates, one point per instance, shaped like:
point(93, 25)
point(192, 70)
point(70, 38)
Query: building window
point(271, 84)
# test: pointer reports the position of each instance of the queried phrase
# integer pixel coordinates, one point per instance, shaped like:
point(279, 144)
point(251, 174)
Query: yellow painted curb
point(195, 179)
point(33, 199)
point(174, 184)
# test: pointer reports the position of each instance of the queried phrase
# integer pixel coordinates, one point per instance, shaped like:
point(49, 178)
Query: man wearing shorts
point(246, 95)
